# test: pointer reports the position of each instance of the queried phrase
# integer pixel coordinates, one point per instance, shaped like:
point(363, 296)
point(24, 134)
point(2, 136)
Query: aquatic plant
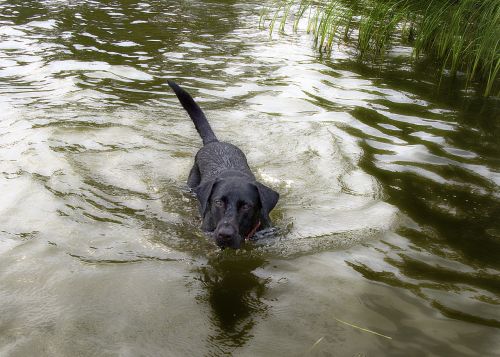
point(461, 35)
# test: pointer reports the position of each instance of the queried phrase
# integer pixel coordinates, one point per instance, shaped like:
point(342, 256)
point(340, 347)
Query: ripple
point(387, 215)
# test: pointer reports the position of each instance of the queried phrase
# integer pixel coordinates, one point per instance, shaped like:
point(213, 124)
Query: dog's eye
point(218, 203)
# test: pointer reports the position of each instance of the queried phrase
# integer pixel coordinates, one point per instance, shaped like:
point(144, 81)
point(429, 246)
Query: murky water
point(389, 210)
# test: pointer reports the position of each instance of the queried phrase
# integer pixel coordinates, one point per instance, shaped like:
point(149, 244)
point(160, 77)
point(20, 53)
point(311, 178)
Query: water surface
point(389, 211)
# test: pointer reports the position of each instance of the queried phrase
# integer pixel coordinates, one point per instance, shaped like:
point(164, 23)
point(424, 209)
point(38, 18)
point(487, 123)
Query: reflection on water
point(234, 294)
point(388, 216)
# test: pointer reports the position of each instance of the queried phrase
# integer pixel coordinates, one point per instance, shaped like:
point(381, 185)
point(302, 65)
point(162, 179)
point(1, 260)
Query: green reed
point(461, 35)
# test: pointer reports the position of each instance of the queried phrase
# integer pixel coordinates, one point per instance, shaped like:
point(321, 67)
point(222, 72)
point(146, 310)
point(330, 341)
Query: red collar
point(252, 232)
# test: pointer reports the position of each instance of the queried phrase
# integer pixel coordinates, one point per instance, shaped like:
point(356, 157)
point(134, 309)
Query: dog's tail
point(197, 116)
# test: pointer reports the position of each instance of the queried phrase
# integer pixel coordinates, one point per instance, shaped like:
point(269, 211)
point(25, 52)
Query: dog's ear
point(203, 193)
point(268, 199)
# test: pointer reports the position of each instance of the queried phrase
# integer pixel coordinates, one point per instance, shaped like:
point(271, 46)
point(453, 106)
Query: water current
point(387, 234)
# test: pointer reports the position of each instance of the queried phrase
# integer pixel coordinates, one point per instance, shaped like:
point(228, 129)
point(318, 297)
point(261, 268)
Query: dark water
point(389, 211)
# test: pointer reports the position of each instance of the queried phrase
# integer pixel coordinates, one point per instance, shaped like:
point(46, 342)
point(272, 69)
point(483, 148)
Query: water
point(388, 218)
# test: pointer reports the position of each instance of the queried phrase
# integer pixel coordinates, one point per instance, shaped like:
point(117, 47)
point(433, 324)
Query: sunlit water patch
point(388, 216)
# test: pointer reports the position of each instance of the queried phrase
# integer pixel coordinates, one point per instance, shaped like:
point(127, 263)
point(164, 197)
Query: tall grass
point(461, 35)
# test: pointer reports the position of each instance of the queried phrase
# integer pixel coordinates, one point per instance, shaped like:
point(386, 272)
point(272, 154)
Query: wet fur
point(220, 169)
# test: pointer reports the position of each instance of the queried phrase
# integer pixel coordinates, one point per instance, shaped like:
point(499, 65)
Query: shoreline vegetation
point(461, 36)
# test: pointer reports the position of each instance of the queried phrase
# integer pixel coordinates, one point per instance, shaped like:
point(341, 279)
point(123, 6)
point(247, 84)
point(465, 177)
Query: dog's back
point(218, 158)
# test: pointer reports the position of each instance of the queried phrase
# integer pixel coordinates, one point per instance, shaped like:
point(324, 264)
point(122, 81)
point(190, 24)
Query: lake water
point(388, 226)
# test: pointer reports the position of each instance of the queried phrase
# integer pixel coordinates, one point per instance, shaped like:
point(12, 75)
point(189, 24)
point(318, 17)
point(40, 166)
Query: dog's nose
point(226, 233)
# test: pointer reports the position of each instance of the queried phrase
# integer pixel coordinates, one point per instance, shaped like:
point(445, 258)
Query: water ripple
point(389, 189)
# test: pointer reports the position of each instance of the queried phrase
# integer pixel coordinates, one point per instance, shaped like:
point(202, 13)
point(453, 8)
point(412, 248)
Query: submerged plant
point(462, 35)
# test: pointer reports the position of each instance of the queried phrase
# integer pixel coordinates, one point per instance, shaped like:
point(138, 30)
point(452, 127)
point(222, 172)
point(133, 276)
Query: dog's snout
point(226, 233)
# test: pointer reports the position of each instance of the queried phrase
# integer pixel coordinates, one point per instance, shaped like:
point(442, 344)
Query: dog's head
point(232, 208)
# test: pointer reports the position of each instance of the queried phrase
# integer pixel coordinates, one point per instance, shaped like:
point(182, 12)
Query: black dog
point(232, 203)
